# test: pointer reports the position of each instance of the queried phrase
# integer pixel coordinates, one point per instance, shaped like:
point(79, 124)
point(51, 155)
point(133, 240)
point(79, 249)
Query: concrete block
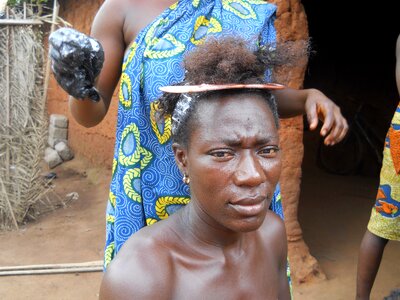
point(53, 142)
point(52, 158)
point(59, 121)
point(48, 150)
point(64, 151)
point(55, 134)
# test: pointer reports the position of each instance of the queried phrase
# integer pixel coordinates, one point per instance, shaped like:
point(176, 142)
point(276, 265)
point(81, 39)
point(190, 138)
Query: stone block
point(48, 150)
point(53, 142)
point(56, 134)
point(59, 121)
point(52, 158)
point(64, 151)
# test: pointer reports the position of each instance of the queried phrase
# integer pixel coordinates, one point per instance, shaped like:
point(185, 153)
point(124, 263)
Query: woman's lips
point(249, 207)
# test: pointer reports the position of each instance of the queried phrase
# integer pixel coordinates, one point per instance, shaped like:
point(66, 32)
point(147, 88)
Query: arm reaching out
point(317, 106)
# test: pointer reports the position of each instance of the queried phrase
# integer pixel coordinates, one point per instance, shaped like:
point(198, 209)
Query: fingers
point(328, 119)
point(94, 95)
point(320, 107)
point(337, 129)
point(312, 116)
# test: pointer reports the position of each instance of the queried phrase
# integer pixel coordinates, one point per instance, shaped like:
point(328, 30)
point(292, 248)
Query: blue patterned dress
point(146, 184)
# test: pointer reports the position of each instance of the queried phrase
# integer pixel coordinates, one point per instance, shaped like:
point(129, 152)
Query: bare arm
point(107, 28)
point(317, 106)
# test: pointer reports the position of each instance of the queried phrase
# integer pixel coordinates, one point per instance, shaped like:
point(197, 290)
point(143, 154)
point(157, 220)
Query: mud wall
point(97, 144)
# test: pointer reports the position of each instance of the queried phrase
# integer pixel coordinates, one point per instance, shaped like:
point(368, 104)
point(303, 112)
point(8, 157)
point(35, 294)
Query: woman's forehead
point(230, 106)
point(235, 118)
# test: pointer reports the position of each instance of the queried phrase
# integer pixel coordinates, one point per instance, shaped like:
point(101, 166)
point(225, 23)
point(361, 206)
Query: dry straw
point(23, 119)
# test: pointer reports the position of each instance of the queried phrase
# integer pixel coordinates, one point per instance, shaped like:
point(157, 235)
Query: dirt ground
point(333, 212)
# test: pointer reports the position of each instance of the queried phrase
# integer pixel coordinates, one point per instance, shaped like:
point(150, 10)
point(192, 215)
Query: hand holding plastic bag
point(77, 60)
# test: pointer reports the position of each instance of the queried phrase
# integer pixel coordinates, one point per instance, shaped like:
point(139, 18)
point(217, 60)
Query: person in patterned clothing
point(144, 43)
point(384, 223)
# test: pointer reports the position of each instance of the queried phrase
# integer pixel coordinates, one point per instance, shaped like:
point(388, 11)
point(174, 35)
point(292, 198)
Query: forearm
point(291, 102)
point(87, 112)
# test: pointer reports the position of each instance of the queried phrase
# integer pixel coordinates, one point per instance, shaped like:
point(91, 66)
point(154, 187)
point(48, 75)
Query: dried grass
point(23, 123)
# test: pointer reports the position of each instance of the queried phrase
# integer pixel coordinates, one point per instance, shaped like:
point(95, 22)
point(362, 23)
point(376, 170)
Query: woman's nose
point(249, 171)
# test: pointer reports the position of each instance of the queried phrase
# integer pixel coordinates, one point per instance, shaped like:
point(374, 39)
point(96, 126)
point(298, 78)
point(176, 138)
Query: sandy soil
point(333, 213)
point(71, 234)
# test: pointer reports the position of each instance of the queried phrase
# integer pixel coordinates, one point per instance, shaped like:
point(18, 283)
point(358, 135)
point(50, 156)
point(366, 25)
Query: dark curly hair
point(221, 61)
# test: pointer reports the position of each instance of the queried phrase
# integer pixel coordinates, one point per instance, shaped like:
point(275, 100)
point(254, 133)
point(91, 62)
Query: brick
point(64, 151)
point(57, 134)
point(52, 158)
point(59, 121)
point(53, 142)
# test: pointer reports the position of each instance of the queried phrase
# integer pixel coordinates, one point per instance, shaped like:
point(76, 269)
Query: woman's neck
point(199, 228)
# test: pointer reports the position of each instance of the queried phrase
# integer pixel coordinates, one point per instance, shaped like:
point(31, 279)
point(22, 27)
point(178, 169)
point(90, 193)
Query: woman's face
point(233, 161)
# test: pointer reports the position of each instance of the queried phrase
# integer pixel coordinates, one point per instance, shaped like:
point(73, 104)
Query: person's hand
point(77, 60)
point(319, 107)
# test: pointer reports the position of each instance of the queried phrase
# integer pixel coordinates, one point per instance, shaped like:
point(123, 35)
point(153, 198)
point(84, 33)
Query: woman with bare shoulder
point(225, 243)
point(141, 44)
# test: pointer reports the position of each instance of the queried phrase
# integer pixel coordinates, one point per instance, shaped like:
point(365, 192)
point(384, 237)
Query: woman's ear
point(180, 154)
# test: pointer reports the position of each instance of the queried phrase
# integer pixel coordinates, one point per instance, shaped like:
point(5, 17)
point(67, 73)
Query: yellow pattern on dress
point(152, 41)
point(259, 2)
point(163, 202)
point(213, 25)
point(162, 137)
point(114, 167)
point(151, 221)
point(129, 160)
point(147, 156)
point(112, 198)
point(249, 11)
point(129, 176)
point(109, 254)
point(386, 227)
point(110, 219)
point(132, 52)
point(126, 85)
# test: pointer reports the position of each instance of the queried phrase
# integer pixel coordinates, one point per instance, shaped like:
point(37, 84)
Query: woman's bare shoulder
point(139, 269)
point(273, 230)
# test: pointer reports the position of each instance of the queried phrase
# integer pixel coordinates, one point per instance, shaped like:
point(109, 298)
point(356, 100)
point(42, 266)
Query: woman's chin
point(248, 224)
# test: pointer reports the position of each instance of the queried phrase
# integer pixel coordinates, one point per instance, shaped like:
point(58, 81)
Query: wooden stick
point(8, 123)
point(53, 266)
point(48, 61)
point(94, 266)
point(20, 22)
point(51, 271)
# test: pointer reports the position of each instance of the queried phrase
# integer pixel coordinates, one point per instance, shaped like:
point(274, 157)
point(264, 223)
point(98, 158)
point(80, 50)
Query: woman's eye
point(221, 154)
point(269, 151)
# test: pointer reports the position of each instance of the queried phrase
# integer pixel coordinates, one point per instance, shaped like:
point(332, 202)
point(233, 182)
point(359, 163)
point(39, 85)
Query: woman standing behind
point(146, 185)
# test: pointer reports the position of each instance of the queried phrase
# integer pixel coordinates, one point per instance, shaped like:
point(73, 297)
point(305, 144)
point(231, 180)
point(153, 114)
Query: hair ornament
point(181, 89)
point(180, 112)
